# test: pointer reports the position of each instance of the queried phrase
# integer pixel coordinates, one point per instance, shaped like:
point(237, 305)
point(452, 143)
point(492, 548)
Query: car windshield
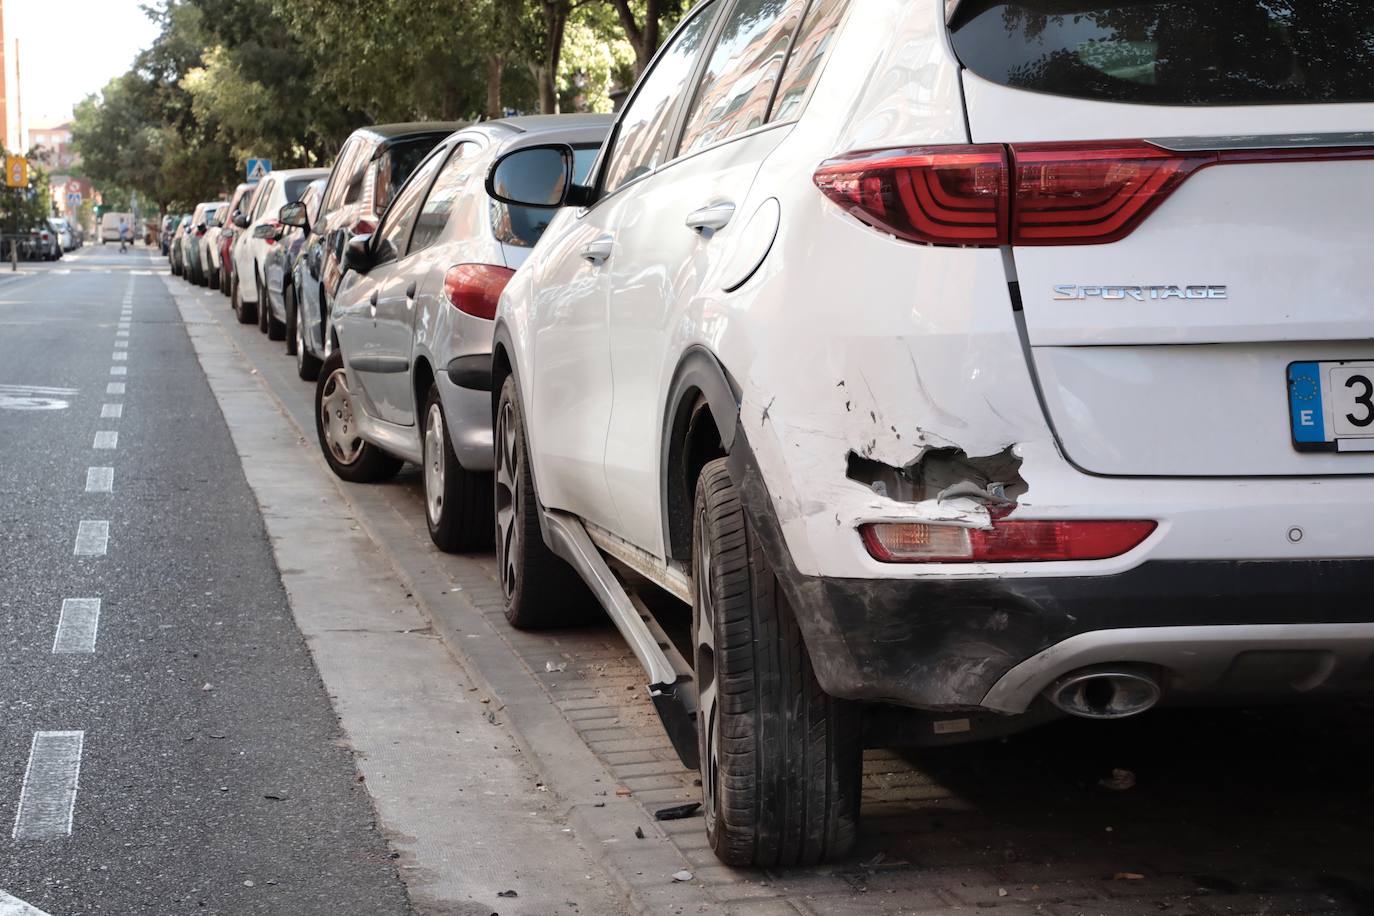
point(1174, 52)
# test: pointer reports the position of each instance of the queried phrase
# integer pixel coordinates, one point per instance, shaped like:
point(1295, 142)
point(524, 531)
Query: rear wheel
point(457, 501)
point(245, 312)
point(541, 590)
point(288, 298)
point(347, 454)
point(264, 307)
point(780, 759)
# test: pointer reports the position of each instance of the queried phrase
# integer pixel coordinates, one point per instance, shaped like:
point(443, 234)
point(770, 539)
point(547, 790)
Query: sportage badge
point(1138, 293)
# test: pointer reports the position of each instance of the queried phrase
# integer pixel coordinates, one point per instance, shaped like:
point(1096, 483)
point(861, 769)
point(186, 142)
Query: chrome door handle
point(712, 218)
point(410, 290)
point(598, 250)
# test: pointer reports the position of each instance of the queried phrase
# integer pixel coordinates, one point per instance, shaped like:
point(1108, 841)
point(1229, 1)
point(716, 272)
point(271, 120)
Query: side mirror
point(202, 227)
point(357, 254)
point(536, 176)
point(240, 219)
point(293, 214)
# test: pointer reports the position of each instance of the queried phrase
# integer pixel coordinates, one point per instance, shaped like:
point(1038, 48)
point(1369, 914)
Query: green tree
point(645, 23)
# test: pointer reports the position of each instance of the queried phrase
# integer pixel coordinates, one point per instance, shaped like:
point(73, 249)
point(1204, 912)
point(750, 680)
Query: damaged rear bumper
point(1215, 628)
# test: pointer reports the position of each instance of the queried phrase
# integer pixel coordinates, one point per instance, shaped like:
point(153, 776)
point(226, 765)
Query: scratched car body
point(967, 363)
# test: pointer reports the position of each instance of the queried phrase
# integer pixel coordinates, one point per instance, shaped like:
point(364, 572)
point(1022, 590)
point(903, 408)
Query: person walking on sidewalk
point(123, 235)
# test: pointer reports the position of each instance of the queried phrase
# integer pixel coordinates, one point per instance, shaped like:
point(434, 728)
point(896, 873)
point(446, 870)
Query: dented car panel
point(873, 379)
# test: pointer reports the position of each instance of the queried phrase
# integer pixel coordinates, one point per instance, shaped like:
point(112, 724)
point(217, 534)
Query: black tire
point(780, 759)
point(264, 307)
point(458, 502)
point(213, 281)
point(247, 314)
point(364, 464)
point(540, 588)
point(288, 298)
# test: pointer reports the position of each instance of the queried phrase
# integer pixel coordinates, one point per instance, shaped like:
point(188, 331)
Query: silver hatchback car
point(412, 323)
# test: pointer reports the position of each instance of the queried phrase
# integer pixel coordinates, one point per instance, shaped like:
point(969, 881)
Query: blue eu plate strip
point(1305, 402)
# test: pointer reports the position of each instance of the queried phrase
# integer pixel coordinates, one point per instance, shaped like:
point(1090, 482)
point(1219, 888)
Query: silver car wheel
point(336, 410)
point(434, 462)
point(704, 651)
point(507, 497)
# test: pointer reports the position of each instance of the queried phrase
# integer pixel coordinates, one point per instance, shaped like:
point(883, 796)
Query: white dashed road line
point(119, 355)
point(121, 345)
point(77, 627)
point(92, 538)
point(114, 388)
point(99, 480)
point(119, 370)
point(106, 438)
point(111, 411)
point(48, 799)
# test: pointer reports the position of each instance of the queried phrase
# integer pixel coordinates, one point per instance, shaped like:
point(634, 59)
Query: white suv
point(976, 369)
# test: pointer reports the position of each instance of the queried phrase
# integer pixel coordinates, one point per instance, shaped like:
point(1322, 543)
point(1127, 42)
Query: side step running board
point(672, 690)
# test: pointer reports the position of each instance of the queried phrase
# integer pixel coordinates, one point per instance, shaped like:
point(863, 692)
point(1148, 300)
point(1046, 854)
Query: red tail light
point(1092, 193)
point(936, 195)
point(1006, 542)
point(1027, 194)
point(476, 288)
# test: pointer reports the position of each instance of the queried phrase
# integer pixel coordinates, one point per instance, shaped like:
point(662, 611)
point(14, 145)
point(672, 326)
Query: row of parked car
point(801, 369)
point(46, 240)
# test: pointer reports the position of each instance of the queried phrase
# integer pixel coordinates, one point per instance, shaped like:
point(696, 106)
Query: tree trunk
point(546, 72)
point(547, 78)
point(496, 66)
point(643, 39)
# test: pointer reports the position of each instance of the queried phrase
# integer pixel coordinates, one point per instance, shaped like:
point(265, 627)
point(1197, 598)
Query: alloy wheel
point(704, 651)
point(434, 463)
point(507, 496)
point(336, 412)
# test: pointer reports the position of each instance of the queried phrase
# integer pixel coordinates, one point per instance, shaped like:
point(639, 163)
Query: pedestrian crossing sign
point(258, 169)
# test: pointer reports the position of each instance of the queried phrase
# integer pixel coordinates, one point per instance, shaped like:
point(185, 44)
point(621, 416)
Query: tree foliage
point(227, 80)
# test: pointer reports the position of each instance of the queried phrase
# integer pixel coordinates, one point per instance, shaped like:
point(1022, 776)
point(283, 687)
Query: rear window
point(1174, 52)
point(395, 165)
point(295, 188)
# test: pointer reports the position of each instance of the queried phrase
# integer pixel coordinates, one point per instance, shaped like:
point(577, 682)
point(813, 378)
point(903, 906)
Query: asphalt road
point(208, 769)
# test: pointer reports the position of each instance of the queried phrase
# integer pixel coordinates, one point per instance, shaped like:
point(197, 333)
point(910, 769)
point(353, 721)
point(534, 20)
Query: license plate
point(1331, 405)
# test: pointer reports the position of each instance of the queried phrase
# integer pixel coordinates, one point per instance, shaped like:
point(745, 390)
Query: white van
point(109, 226)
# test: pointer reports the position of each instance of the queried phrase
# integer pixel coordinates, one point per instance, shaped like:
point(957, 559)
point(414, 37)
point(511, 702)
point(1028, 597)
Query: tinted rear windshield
point(1174, 52)
point(295, 188)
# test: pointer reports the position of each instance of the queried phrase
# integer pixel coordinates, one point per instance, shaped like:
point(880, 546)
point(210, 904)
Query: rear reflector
point(476, 288)
point(1006, 542)
point(987, 195)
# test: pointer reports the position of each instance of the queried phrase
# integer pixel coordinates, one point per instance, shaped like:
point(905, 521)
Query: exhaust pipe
point(1105, 693)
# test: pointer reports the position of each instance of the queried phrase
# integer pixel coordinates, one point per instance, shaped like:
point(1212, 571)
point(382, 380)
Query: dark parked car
point(373, 164)
point(169, 226)
point(279, 311)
